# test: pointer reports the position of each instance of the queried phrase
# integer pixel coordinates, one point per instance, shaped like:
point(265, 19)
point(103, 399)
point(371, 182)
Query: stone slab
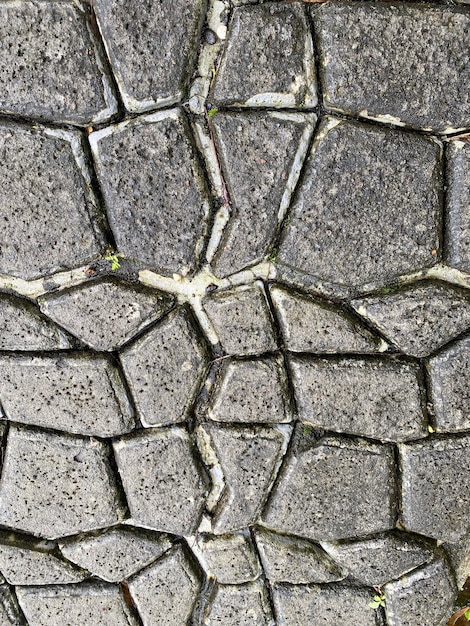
point(230, 559)
point(10, 614)
point(457, 234)
point(239, 605)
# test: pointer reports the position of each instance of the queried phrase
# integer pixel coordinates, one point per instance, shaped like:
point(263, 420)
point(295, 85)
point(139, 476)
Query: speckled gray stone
point(399, 61)
point(9, 610)
point(457, 233)
point(239, 605)
point(56, 485)
point(459, 558)
point(231, 559)
point(350, 222)
point(77, 393)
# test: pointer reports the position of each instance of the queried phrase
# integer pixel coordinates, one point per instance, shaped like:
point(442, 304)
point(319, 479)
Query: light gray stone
point(457, 233)
point(239, 605)
point(10, 614)
point(231, 559)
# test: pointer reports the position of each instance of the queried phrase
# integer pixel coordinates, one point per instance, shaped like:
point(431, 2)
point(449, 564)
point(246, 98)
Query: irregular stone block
point(150, 161)
point(106, 313)
point(240, 605)
point(436, 487)
point(378, 398)
point(383, 63)
point(78, 393)
point(57, 485)
point(151, 50)
point(457, 232)
point(268, 60)
point(9, 610)
point(459, 557)
point(51, 67)
point(419, 318)
point(351, 222)
point(117, 553)
point(164, 486)
point(231, 559)
point(46, 198)
point(164, 368)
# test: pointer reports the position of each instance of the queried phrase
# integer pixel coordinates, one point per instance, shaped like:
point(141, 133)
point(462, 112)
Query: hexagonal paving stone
point(231, 559)
point(457, 231)
point(51, 68)
point(56, 485)
point(46, 201)
point(239, 605)
point(164, 368)
point(400, 63)
point(154, 190)
point(351, 222)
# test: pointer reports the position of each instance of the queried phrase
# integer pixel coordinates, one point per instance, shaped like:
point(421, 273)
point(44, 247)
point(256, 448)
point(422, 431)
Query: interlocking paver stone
point(458, 202)
point(240, 605)
point(231, 559)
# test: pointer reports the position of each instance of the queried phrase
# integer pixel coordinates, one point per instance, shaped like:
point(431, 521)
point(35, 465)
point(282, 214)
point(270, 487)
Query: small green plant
point(114, 260)
point(378, 600)
point(273, 256)
point(212, 112)
point(467, 615)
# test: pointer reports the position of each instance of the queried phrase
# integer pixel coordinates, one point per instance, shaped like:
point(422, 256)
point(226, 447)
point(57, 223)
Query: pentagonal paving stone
point(151, 48)
point(46, 205)
point(231, 559)
point(436, 487)
point(239, 605)
point(242, 320)
point(78, 393)
point(10, 614)
point(334, 489)
point(117, 553)
point(401, 63)
point(165, 593)
point(294, 560)
point(457, 203)
point(51, 69)
point(164, 485)
point(313, 325)
point(153, 189)
point(380, 398)
point(106, 313)
point(419, 318)
point(351, 222)
point(165, 368)
point(268, 60)
point(57, 485)
point(261, 157)
point(251, 391)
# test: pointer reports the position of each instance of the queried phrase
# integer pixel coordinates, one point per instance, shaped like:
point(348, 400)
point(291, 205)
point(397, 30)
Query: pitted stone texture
point(163, 483)
point(116, 554)
point(268, 60)
point(86, 604)
point(239, 605)
point(165, 593)
point(457, 232)
point(379, 398)
point(422, 597)
point(153, 190)
point(436, 487)
point(231, 559)
point(242, 320)
point(312, 325)
point(251, 391)
point(334, 489)
point(293, 560)
point(259, 152)
point(151, 47)
point(351, 222)
point(56, 485)
point(401, 63)
point(9, 609)
point(419, 318)
point(51, 69)
point(78, 393)
point(46, 207)
point(107, 313)
point(164, 368)
point(459, 557)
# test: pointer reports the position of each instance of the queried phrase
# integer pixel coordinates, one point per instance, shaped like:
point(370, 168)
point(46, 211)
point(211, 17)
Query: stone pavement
point(234, 312)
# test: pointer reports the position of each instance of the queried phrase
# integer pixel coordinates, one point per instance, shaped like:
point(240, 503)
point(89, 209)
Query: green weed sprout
point(377, 601)
point(114, 260)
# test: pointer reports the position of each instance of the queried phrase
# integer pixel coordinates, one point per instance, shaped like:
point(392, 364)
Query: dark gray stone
point(457, 231)
point(231, 559)
point(350, 222)
point(401, 63)
point(268, 60)
point(150, 162)
point(459, 557)
point(379, 398)
point(239, 605)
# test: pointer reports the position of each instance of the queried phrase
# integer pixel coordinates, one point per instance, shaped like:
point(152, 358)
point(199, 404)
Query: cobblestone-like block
point(165, 369)
point(459, 557)
point(379, 398)
point(400, 63)
point(116, 554)
point(351, 222)
point(242, 320)
point(46, 207)
point(51, 68)
point(457, 232)
point(420, 318)
point(436, 487)
point(145, 163)
point(231, 559)
point(164, 486)
point(261, 161)
point(335, 489)
point(56, 485)
point(239, 605)
point(78, 393)
point(268, 60)
point(151, 48)
point(107, 313)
